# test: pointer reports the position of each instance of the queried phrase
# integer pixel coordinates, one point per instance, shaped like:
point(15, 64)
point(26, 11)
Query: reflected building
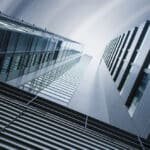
point(39, 73)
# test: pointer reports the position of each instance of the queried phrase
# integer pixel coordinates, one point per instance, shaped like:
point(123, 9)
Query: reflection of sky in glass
point(92, 22)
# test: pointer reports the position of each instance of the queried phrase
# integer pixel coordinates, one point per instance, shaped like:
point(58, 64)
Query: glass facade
point(30, 49)
point(32, 58)
point(40, 83)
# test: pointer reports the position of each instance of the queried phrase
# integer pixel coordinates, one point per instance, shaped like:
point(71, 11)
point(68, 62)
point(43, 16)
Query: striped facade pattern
point(59, 88)
point(127, 58)
point(29, 122)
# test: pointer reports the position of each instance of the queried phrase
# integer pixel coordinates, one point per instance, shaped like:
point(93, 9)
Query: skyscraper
point(28, 52)
point(127, 59)
point(26, 49)
point(39, 73)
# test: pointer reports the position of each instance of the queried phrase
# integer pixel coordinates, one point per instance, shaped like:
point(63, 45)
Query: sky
point(91, 22)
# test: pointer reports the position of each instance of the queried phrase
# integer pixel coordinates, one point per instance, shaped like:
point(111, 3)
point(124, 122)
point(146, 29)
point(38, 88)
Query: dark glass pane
point(2, 33)
point(145, 29)
point(39, 44)
point(13, 41)
point(14, 64)
point(52, 44)
point(5, 40)
point(1, 60)
point(56, 55)
point(30, 42)
point(58, 45)
point(44, 45)
point(23, 42)
point(6, 63)
point(34, 43)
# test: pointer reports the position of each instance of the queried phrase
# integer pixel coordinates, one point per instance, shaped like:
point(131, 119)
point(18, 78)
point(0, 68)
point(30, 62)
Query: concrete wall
point(117, 111)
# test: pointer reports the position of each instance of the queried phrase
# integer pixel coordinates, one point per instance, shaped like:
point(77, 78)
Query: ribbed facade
point(30, 122)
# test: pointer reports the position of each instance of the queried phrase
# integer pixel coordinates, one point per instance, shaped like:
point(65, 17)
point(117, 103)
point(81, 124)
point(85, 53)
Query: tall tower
point(26, 51)
point(127, 59)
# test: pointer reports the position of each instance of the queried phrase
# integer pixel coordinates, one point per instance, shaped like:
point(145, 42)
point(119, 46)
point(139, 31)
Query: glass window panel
point(29, 60)
point(44, 45)
point(7, 62)
point(39, 44)
point(1, 60)
point(5, 40)
point(37, 59)
point(52, 45)
point(2, 33)
point(139, 93)
point(23, 42)
point(34, 43)
point(40, 59)
point(15, 62)
point(25, 60)
point(33, 59)
point(30, 42)
point(13, 41)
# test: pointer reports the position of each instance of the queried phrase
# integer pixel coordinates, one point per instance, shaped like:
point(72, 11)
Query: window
point(25, 60)
point(2, 33)
point(40, 58)
point(116, 52)
point(34, 43)
point(140, 40)
point(49, 45)
point(30, 42)
point(6, 63)
point(127, 71)
point(33, 59)
point(44, 45)
point(29, 60)
point(41, 44)
point(140, 87)
point(37, 59)
point(52, 44)
point(120, 52)
point(146, 26)
point(125, 54)
point(1, 60)
point(139, 93)
point(55, 55)
point(59, 43)
point(23, 42)
point(13, 41)
point(5, 36)
point(15, 62)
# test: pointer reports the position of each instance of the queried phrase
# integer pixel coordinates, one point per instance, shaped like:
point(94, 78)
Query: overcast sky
point(91, 22)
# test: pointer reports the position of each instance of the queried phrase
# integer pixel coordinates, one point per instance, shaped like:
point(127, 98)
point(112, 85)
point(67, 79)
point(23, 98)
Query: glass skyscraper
point(25, 49)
